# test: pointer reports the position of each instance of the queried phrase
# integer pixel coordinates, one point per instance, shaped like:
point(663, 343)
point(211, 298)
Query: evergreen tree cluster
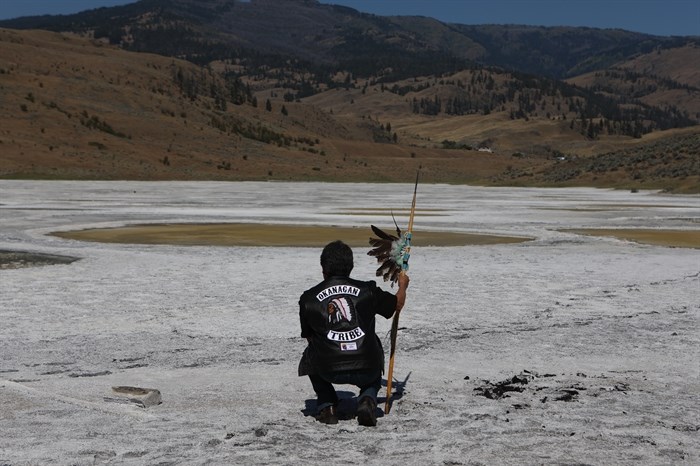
point(590, 112)
point(221, 88)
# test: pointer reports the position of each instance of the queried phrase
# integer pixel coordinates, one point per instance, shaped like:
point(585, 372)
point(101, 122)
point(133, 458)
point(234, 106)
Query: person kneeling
point(338, 320)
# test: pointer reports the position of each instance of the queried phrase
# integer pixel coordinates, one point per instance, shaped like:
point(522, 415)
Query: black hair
point(336, 259)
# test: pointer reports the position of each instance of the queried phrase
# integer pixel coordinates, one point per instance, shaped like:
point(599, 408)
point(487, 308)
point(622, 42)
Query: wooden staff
point(395, 322)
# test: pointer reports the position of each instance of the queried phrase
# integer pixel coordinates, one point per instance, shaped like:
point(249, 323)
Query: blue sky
point(660, 17)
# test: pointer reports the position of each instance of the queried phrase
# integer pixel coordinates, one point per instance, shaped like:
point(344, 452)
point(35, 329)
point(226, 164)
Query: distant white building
point(485, 149)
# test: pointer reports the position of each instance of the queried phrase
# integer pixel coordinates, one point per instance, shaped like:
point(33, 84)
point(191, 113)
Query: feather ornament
point(391, 252)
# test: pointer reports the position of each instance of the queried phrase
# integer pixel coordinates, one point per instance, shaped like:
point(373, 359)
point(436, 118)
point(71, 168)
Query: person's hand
point(403, 281)
point(401, 292)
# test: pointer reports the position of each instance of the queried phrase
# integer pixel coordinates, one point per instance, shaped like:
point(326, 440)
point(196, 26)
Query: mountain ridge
point(310, 30)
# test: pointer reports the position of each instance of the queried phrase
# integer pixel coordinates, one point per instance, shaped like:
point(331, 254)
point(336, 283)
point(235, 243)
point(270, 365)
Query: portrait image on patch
point(340, 310)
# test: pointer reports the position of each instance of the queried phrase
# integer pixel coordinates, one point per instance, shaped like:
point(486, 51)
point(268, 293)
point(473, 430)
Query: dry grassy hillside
point(537, 137)
point(679, 64)
point(661, 78)
point(77, 108)
point(81, 109)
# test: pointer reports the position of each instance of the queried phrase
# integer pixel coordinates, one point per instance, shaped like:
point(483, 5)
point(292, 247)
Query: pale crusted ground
point(593, 342)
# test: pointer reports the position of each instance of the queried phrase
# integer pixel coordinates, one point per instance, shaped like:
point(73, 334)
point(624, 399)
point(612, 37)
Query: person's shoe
point(366, 416)
point(328, 415)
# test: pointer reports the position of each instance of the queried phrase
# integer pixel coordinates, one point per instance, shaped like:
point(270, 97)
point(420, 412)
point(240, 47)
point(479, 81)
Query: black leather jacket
point(337, 315)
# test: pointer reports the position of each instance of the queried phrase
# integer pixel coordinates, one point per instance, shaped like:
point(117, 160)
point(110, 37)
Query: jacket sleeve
point(385, 302)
